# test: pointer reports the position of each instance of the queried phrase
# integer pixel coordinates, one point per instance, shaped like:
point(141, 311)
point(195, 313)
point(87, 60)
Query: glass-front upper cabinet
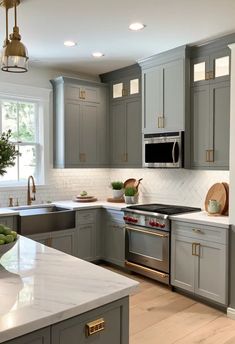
point(125, 88)
point(215, 67)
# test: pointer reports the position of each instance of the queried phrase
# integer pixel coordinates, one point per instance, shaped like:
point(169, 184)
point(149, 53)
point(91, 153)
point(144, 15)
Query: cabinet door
point(42, 238)
point(114, 247)
point(37, 337)
point(133, 132)
point(118, 133)
point(182, 263)
point(86, 241)
point(211, 272)
point(103, 130)
point(152, 95)
point(64, 241)
point(173, 96)
point(200, 125)
point(71, 131)
point(220, 123)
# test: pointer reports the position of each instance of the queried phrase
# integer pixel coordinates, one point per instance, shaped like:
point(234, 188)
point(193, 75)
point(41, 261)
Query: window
point(23, 119)
point(118, 90)
point(199, 71)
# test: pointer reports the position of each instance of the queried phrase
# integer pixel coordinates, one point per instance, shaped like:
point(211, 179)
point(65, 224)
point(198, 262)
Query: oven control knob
point(151, 223)
point(124, 218)
point(157, 224)
point(163, 225)
point(135, 220)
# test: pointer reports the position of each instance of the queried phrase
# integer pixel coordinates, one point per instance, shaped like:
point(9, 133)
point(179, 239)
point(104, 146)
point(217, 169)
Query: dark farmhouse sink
point(44, 219)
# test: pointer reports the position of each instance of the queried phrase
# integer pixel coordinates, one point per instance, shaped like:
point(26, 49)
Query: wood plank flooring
point(158, 315)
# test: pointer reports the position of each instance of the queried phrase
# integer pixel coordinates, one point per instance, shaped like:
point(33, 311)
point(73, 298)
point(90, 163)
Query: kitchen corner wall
point(181, 187)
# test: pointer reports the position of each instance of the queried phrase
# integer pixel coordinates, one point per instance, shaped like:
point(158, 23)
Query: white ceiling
point(102, 25)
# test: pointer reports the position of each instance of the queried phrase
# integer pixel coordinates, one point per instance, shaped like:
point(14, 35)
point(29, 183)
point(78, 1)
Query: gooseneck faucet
point(29, 197)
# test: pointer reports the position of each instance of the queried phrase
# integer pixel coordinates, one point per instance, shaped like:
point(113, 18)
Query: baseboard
point(231, 313)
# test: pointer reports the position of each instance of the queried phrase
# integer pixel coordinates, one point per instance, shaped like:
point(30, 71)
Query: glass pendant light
point(15, 54)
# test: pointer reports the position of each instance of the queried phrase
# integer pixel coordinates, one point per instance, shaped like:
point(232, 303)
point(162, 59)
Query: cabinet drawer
point(105, 325)
point(115, 215)
point(84, 217)
point(200, 232)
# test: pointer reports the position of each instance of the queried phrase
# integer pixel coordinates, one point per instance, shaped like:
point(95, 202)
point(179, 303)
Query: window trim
point(41, 96)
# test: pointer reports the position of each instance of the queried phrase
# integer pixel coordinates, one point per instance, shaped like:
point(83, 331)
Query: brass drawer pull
point(160, 122)
point(199, 250)
point(94, 327)
point(197, 230)
point(193, 249)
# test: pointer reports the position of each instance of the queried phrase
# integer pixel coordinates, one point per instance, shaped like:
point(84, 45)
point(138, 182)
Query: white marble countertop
point(8, 212)
point(90, 205)
point(40, 286)
point(203, 218)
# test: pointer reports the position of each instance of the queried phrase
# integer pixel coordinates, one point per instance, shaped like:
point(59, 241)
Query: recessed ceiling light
point(70, 43)
point(97, 54)
point(136, 26)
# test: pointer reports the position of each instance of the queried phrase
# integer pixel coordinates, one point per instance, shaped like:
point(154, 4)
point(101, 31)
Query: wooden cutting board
point(226, 185)
point(217, 192)
point(82, 200)
point(116, 200)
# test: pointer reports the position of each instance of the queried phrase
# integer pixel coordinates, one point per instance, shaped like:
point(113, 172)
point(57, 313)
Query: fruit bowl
point(5, 248)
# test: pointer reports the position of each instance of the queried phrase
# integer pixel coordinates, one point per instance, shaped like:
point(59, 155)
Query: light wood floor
point(158, 315)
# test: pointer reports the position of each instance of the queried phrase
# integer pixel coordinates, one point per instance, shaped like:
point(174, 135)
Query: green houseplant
point(117, 187)
point(131, 195)
point(8, 152)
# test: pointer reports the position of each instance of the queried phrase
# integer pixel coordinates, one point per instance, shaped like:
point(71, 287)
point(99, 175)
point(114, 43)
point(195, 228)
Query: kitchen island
point(47, 296)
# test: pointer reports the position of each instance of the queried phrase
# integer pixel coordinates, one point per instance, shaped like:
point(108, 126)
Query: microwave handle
point(173, 152)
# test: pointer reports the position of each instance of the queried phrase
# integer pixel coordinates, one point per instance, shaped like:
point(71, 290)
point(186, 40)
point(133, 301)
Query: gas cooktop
point(163, 209)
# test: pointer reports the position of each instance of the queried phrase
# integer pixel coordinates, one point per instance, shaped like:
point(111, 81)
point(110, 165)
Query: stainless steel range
point(148, 238)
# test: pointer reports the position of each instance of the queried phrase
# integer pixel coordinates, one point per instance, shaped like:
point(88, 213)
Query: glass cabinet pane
point(117, 90)
point(221, 66)
point(134, 86)
point(199, 72)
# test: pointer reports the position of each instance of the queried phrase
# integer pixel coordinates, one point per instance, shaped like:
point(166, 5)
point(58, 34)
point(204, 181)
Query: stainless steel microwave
point(164, 150)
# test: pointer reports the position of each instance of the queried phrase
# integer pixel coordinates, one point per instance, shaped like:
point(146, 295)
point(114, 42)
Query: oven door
point(147, 247)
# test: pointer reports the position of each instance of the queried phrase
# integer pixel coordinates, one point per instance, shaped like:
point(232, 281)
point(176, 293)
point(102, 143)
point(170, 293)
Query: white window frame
point(41, 97)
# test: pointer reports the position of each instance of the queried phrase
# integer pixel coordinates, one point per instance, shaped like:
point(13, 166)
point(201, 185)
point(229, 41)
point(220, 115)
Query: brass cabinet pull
point(207, 156)
point(211, 74)
point(193, 249)
point(126, 157)
point(197, 230)
point(207, 76)
point(82, 157)
point(124, 92)
point(82, 95)
point(199, 250)
point(211, 155)
point(160, 122)
point(94, 327)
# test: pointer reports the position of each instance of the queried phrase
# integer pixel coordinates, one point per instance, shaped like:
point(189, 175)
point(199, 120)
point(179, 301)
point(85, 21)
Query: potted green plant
point(117, 187)
point(8, 152)
point(131, 195)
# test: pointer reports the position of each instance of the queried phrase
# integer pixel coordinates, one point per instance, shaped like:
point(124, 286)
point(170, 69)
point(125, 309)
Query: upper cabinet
point(125, 116)
point(164, 80)
point(210, 106)
point(80, 123)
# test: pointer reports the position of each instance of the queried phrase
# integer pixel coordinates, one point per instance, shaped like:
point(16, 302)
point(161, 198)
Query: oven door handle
point(173, 152)
point(148, 232)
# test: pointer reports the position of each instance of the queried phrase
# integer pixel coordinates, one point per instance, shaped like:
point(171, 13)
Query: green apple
point(2, 242)
point(83, 193)
point(14, 234)
point(2, 229)
point(7, 231)
point(9, 238)
point(2, 238)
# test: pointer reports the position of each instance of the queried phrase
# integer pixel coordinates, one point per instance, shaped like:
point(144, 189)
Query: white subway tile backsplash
point(181, 186)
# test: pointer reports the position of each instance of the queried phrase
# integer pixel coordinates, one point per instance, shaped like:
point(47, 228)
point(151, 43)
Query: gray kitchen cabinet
point(80, 123)
point(163, 94)
point(210, 125)
point(164, 81)
point(104, 325)
point(126, 138)
point(88, 235)
point(9, 221)
point(37, 337)
point(114, 238)
point(199, 260)
point(64, 240)
point(125, 117)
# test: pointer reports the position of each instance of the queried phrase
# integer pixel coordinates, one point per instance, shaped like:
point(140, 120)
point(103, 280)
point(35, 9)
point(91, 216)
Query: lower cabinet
point(114, 238)
point(38, 337)
point(112, 320)
point(104, 325)
point(60, 240)
point(88, 234)
point(199, 260)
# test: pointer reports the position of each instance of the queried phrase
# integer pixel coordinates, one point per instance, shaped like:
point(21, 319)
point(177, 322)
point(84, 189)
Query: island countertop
point(40, 286)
